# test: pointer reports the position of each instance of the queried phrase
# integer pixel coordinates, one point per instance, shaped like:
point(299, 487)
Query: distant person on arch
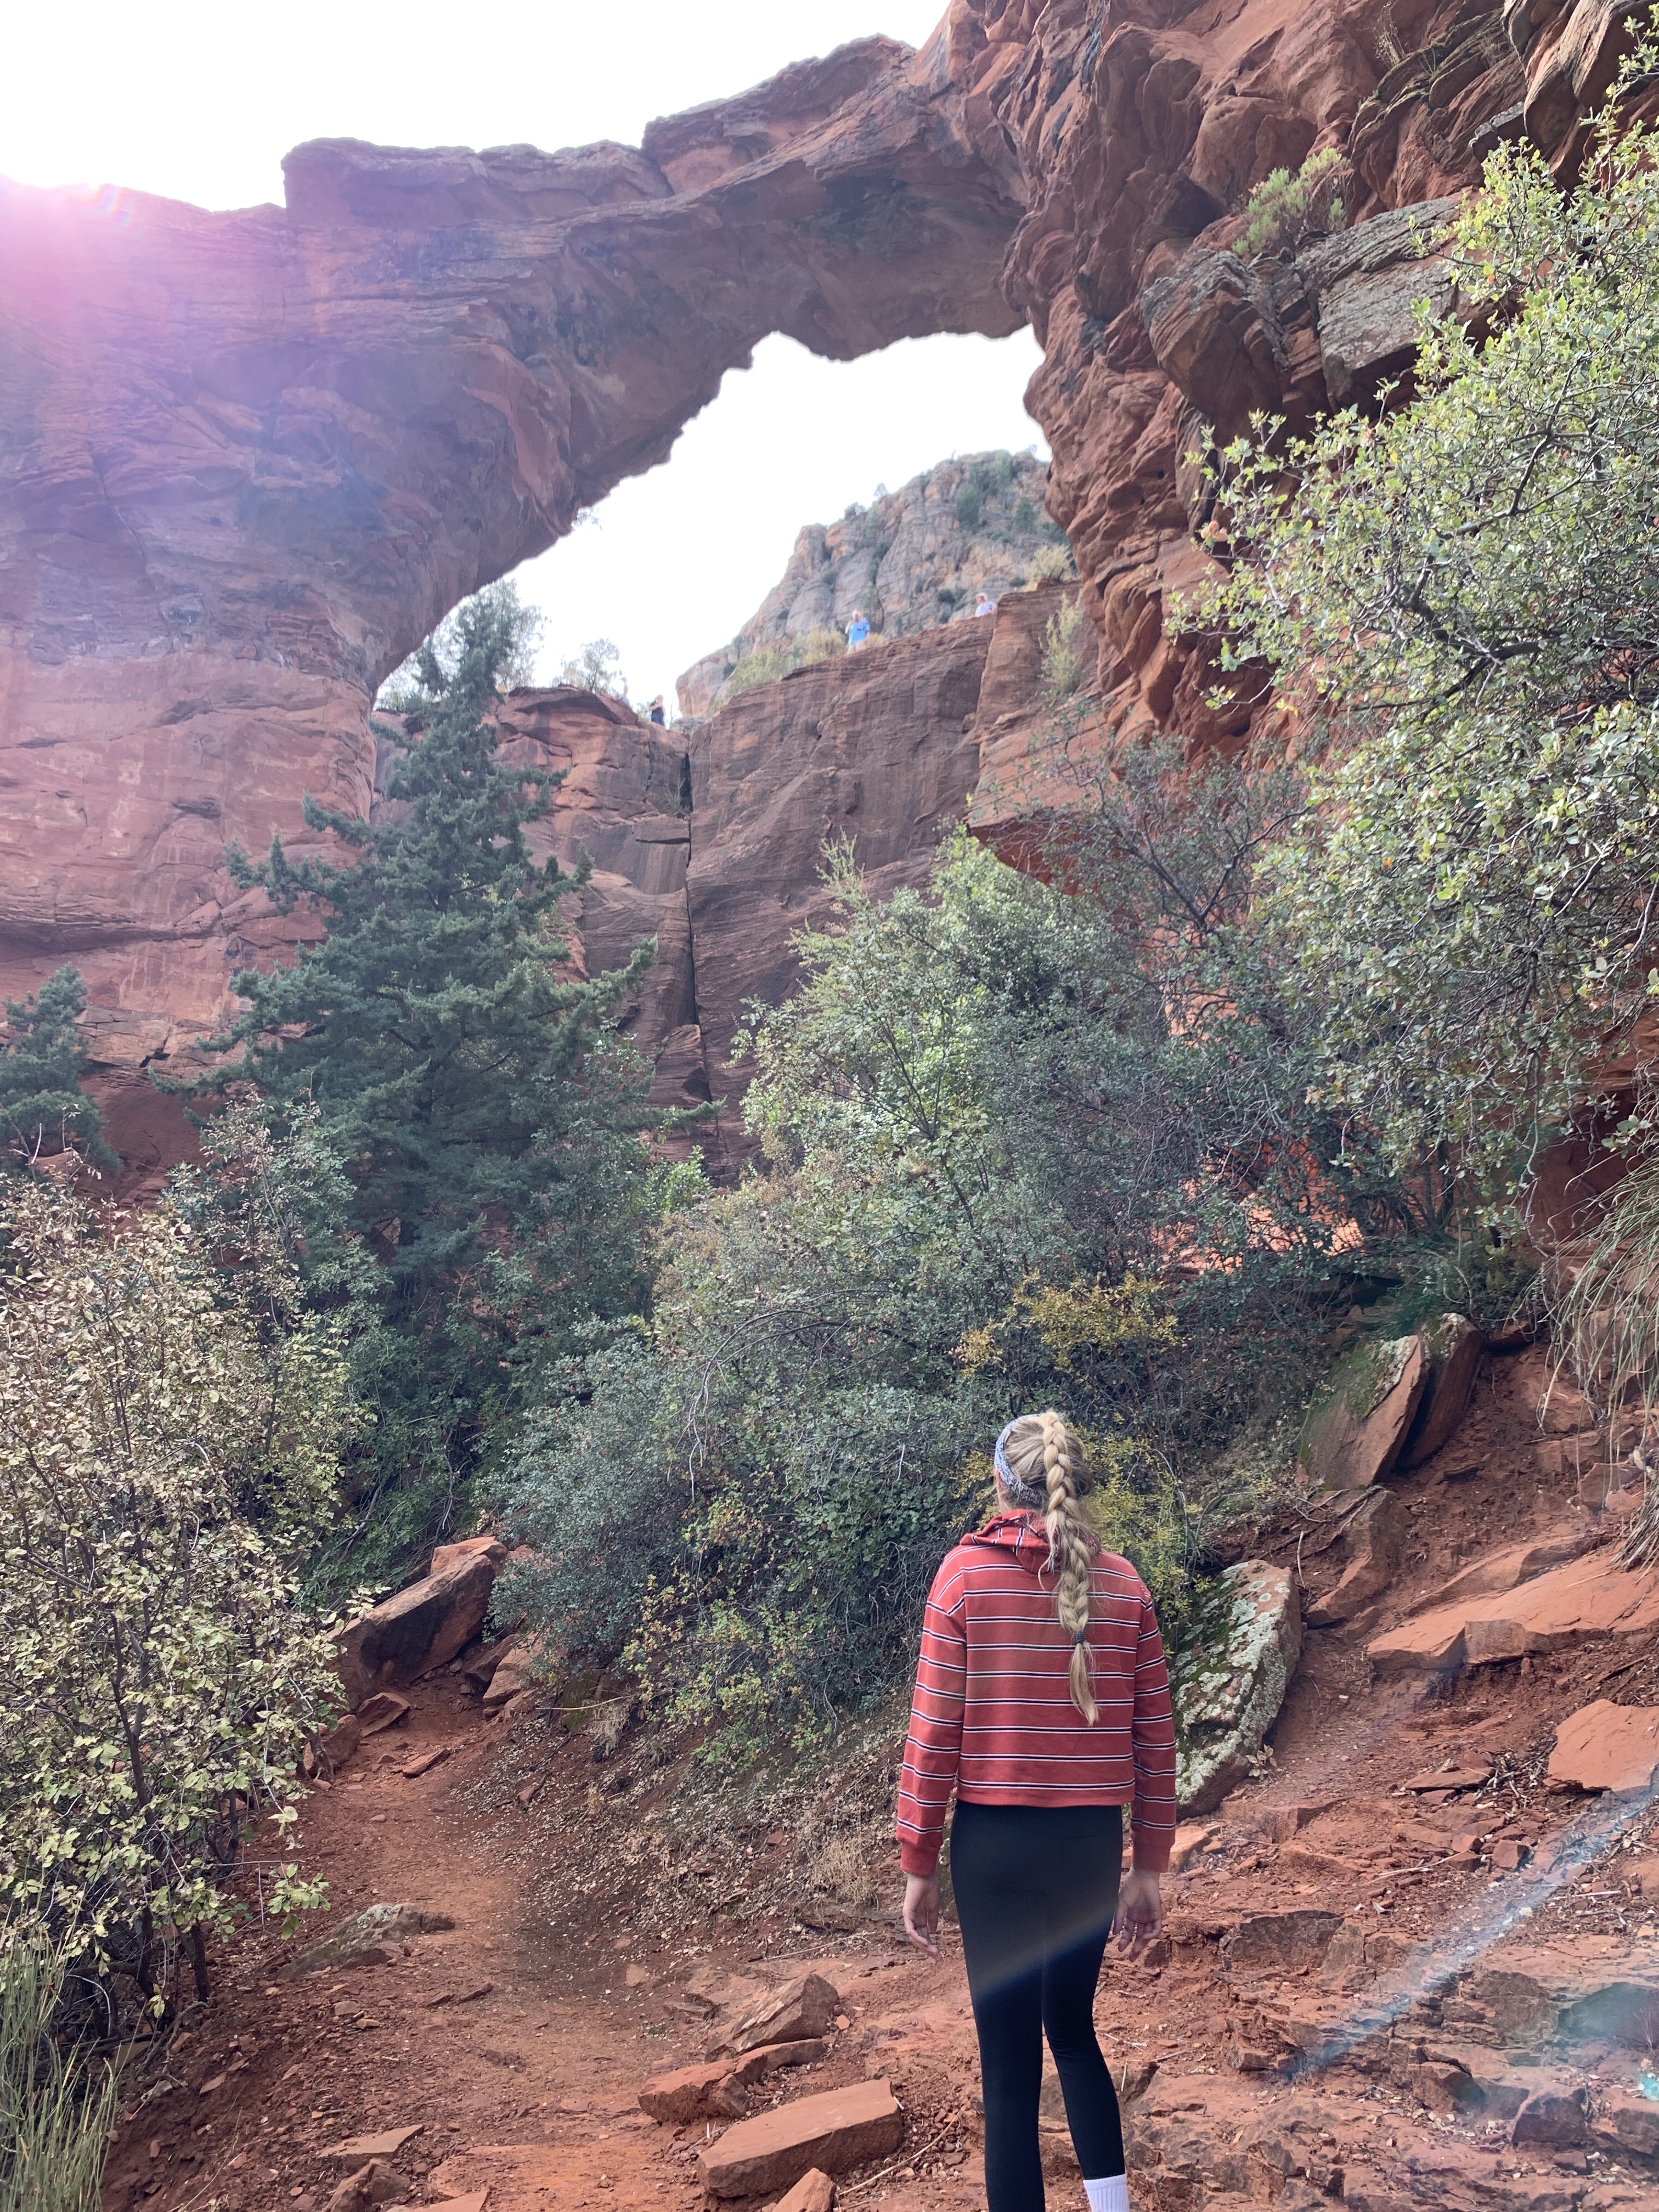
point(987, 605)
point(659, 712)
point(858, 630)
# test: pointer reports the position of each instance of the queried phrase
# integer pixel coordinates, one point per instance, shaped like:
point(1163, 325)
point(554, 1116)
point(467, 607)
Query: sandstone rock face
point(910, 560)
point(255, 456)
point(1374, 1533)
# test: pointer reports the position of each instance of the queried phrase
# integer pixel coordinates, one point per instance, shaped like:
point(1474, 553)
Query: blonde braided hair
point(1045, 1459)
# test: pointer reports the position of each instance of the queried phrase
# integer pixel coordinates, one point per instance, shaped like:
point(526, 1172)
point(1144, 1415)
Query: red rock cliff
point(249, 458)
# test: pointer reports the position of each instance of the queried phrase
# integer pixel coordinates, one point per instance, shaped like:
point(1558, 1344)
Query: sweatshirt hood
point(1022, 1534)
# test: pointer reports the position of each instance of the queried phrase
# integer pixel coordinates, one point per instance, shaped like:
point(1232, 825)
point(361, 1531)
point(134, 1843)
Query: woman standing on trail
point(1041, 1697)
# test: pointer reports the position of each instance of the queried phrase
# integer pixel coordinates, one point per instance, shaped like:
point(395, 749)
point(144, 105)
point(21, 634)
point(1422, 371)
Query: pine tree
point(485, 1114)
point(43, 1108)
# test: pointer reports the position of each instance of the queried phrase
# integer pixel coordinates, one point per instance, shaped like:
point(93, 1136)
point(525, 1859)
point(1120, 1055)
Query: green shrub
point(596, 667)
point(770, 663)
point(993, 1110)
point(1050, 564)
point(417, 681)
point(1286, 209)
point(43, 1108)
point(1068, 652)
point(57, 2099)
point(1025, 515)
point(1456, 603)
point(167, 1464)
point(969, 505)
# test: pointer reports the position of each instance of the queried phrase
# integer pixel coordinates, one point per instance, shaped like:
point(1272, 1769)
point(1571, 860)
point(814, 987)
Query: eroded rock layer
point(249, 458)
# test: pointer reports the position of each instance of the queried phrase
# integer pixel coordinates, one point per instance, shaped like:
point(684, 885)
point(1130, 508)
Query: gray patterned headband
point(1021, 1493)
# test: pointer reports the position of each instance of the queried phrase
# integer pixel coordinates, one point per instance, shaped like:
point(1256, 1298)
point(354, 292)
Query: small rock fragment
point(425, 1762)
point(813, 2192)
point(799, 2010)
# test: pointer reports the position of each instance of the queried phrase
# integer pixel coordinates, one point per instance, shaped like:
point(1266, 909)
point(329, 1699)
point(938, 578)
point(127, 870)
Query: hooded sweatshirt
point(992, 1714)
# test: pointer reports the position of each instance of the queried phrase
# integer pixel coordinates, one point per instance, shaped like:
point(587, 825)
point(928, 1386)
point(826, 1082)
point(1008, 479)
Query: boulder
point(791, 2014)
point(360, 2151)
point(367, 1939)
point(1373, 1535)
point(837, 2130)
point(1584, 1598)
point(469, 1547)
point(519, 1668)
point(1454, 1346)
point(1357, 1427)
point(385, 1710)
point(422, 1627)
point(424, 1761)
point(1558, 2120)
point(1280, 1942)
point(336, 1744)
point(477, 1673)
point(1230, 1680)
point(1607, 1746)
point(1443, 2086)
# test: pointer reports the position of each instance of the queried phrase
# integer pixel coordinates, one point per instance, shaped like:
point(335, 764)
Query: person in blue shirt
point(858, 630)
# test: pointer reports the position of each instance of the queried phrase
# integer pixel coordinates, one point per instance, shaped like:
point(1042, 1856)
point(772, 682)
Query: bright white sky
point(199, 101)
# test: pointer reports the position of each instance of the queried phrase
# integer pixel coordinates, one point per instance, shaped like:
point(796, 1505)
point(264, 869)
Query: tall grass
point(1605, 1309)
point(57, 2102)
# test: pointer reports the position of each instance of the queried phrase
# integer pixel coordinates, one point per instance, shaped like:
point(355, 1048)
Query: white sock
point(1111, 2195)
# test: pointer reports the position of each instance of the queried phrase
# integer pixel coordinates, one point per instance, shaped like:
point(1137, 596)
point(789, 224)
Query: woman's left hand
point(1139, 1918)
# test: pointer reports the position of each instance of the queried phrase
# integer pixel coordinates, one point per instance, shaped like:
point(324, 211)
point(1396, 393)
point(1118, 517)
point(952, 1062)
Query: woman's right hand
point(922, 1911)
point(1139, 1918)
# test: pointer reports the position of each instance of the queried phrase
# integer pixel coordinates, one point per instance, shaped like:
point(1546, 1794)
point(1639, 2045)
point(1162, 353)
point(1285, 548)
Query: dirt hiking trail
point(1400, 1968)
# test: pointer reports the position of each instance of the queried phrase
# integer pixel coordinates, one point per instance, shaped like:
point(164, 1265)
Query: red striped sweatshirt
point(992, 1714)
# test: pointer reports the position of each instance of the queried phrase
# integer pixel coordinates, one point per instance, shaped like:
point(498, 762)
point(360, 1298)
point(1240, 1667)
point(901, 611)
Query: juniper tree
point(484, 1112)
point(43, 1107)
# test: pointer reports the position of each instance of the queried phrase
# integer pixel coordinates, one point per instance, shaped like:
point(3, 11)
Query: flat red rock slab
point(1461, 1778)
point(1584, 1598)
point(357, 2150)
point(834, 2130)
point(1607, 1746)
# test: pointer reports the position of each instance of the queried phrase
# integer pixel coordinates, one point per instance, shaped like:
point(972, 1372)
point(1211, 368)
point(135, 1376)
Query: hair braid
point(1043, 1441)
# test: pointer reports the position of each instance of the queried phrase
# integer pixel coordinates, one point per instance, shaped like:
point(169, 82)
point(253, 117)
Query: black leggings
point(1036, 1889)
